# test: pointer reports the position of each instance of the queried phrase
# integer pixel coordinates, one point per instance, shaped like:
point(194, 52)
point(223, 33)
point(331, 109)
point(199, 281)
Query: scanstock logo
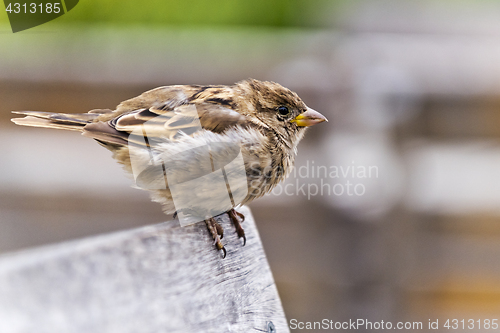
point(31, 13)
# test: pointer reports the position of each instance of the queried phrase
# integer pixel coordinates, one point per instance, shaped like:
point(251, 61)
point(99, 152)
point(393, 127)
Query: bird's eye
point(283, 110)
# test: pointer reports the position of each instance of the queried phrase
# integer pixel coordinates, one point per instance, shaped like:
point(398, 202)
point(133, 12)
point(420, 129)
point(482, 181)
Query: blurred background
point(412, 92)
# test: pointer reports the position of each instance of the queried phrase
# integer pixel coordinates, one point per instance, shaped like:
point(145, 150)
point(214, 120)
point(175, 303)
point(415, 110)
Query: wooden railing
point(160, 278)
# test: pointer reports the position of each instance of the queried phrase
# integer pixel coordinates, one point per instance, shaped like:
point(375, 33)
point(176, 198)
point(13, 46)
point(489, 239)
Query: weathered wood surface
point(161, 278)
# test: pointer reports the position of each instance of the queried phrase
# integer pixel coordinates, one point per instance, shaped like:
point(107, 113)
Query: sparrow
point(199, 150)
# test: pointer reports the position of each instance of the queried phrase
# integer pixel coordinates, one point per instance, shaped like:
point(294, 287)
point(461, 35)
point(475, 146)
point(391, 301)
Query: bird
point(200, 150)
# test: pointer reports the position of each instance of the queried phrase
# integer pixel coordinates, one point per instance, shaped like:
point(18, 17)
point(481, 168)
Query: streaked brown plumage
point(265, 120)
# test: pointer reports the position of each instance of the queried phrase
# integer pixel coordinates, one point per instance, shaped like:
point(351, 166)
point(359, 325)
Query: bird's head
point(271, 105)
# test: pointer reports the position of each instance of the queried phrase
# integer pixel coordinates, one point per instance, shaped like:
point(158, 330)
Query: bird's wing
point(157, 125)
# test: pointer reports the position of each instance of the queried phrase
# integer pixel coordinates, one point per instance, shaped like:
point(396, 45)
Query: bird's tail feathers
point(65, 121)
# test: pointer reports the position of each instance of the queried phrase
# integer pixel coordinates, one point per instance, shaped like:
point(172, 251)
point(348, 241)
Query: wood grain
point(160, 278)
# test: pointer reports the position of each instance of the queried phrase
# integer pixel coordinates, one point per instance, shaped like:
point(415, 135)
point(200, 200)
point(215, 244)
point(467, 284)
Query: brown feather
point(45, 123)
point(77, 118)
point(102, 131)
point(101, 111)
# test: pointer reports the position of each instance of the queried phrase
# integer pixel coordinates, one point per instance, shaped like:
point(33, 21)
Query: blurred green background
point(196, 13)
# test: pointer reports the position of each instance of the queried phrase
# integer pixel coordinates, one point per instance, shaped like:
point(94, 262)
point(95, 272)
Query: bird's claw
point(219, 246)
point(242, 217)
point(220, 230)
point(233, 216)
point(217, 233)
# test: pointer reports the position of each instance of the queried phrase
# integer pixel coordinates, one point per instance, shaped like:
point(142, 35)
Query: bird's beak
point(309, 118)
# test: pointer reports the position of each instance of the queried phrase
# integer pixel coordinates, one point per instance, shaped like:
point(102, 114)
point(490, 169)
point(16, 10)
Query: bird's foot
point(217, 233)
point(233, 215)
